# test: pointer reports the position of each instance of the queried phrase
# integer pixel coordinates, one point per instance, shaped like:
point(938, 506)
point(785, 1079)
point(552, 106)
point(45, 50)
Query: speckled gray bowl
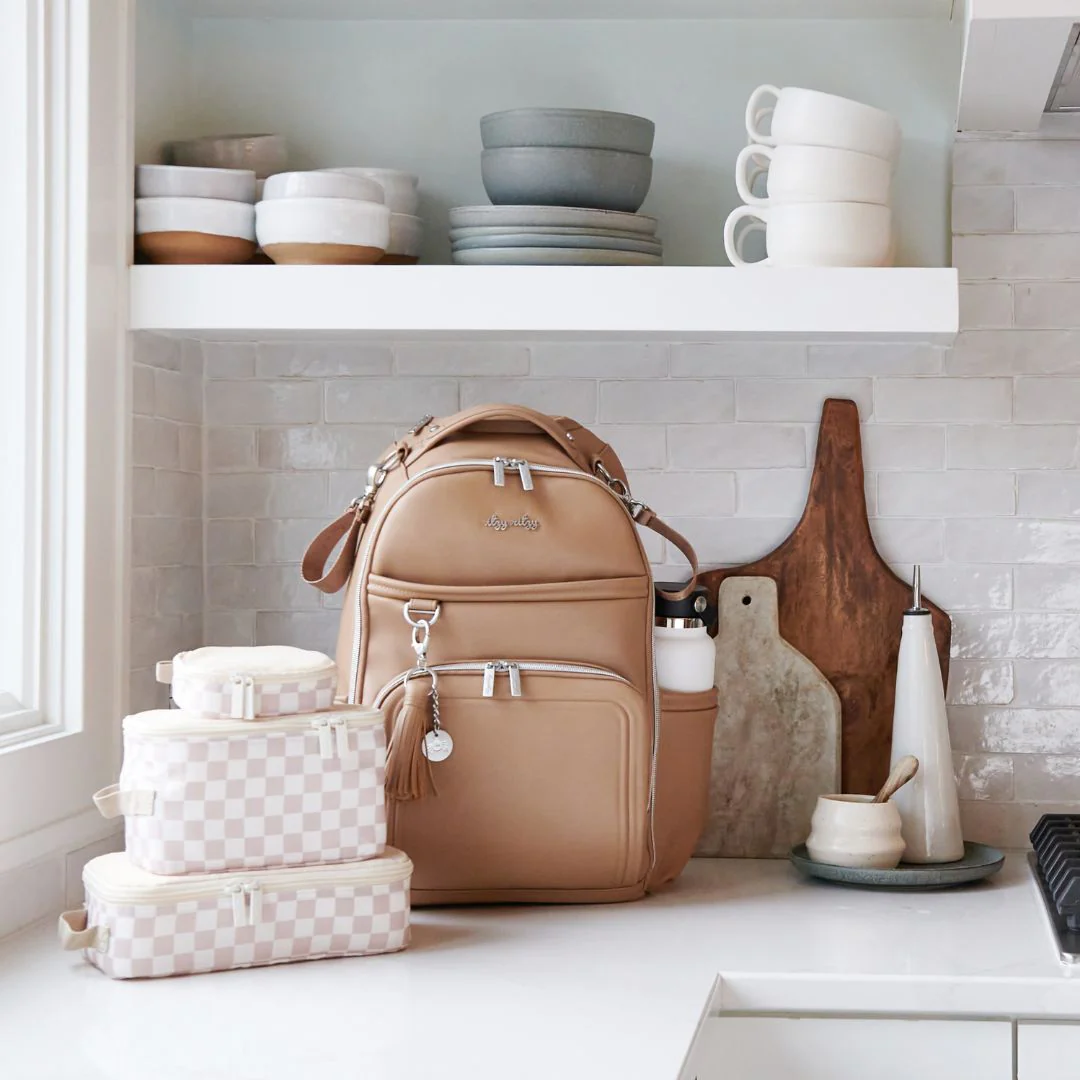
point(590, 128)
point(566, 176)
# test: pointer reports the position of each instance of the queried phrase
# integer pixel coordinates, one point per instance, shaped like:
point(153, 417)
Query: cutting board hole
point(747, 601)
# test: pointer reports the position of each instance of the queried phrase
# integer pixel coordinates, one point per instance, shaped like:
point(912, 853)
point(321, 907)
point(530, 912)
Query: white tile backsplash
point(971, 456)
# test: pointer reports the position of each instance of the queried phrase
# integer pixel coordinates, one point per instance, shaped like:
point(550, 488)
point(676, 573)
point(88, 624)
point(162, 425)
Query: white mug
point(812, 174)
point(811, 118)
point(816, 234)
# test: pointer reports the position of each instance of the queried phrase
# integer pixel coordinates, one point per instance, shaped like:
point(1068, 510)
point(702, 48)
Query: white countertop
point(534, 993)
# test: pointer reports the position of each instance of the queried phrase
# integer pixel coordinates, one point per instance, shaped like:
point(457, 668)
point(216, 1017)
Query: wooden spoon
point(901, 773)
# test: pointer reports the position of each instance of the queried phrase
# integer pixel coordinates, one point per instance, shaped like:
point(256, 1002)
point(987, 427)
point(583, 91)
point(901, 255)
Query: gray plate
point(539, 256)
point(979, 862)
point(572, 216)
point(548, 230)
point(539, 240)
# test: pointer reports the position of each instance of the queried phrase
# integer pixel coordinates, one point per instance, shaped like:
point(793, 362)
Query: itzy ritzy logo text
point(501, 524)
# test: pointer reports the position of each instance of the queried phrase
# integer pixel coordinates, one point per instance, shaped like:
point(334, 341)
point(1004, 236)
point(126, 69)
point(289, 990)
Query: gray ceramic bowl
point(566, 176)
point(590, 128)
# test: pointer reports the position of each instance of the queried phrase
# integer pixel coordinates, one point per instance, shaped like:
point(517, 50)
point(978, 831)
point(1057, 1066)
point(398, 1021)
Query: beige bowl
point(263, 154)
point(853, 830)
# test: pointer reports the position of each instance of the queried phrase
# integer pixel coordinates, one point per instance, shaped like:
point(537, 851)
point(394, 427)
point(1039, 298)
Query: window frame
point(63, 290)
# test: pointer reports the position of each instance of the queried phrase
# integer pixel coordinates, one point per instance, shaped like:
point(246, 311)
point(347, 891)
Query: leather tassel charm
point(408, 771)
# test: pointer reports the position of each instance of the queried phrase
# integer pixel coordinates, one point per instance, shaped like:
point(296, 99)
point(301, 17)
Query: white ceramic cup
point(812, 174)
point(811, 118)
point(853, 830)
point(816, 234)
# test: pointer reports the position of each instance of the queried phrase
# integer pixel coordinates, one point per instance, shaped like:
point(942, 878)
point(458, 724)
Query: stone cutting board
point(841, 605)
point(776, 746)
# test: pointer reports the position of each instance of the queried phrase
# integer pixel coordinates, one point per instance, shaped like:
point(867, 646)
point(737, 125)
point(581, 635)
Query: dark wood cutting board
point(840, 605)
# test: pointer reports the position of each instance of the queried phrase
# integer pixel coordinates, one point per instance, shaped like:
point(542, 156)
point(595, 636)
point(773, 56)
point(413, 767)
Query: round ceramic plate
point(979, 862)
point(572, 216)
point(540, 256)
point(541, 240)
point(548, 230)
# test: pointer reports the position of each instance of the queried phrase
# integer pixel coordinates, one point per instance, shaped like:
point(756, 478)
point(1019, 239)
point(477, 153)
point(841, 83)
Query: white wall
point(410, 95)
point(163, 35)
point(167, 510)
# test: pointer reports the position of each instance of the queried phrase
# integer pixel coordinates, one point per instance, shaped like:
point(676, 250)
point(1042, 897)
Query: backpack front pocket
point(547, 787)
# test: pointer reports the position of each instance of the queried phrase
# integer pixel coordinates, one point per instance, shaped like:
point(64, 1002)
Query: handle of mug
point(743, 182)
point(733, 219)
point(740, 240)
point(755, 113)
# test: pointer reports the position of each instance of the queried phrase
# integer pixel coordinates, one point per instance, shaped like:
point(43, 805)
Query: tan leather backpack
point(500, 611)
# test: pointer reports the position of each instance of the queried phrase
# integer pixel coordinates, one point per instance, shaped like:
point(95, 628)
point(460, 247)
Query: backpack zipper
point(450, 466)
point(490, 668)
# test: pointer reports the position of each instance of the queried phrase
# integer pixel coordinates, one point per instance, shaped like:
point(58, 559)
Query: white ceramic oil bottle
point(929, 808)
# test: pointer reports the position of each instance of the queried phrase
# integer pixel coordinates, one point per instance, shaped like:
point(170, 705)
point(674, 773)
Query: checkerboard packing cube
point(137, 925)
point(242, 683)
point(203, 795)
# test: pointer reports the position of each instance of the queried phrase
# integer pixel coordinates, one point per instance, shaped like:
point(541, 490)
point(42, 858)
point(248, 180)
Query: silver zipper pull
point(515, 680)
point(526, 475)
point(420, 425)
point(489, 680)
point(499, 466)
point(326, 739)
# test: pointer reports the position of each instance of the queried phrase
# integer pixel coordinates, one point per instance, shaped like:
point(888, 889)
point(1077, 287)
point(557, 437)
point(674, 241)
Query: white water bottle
point(928, 805)
point(685, 654)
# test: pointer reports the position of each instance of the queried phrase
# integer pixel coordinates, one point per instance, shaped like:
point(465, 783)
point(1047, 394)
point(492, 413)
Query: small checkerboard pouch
point(203, 795)
point(138, 925)
point(243, 683)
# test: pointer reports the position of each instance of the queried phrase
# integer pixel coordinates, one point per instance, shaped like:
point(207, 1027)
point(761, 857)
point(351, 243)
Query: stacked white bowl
point(194, 215)
point(401, 193)
point(828, 164)
point(322, 218)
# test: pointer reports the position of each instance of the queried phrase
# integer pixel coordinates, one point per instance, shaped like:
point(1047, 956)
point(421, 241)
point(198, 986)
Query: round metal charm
point(437, 745)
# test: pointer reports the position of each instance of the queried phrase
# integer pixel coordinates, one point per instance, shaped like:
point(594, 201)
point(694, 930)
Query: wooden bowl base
point(194, 247)
point(322, 254)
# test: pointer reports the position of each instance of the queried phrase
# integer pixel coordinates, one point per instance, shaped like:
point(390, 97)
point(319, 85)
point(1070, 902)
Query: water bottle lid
point(695, 608)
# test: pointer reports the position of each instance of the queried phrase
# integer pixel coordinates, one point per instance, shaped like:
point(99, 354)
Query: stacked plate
point(552, 236)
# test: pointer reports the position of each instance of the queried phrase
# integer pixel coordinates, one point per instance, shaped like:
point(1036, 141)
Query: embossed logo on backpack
point(502, 524)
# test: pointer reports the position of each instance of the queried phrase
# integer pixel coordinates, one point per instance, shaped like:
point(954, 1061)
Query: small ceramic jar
point(853, 830)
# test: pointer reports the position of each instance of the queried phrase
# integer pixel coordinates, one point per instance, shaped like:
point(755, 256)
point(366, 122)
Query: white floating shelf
point(673, 302)
point(572, 9)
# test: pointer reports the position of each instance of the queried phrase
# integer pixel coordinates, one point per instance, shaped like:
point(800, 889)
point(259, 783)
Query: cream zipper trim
point(201, 728)
point(164, 889)
point(483, 667)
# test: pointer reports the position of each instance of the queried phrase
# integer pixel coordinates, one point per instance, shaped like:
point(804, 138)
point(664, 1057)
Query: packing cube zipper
point(141, 925)
point(243, 683)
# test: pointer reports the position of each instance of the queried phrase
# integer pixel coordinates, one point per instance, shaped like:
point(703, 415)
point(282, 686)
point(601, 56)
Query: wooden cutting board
point(840, 605)
point(776, 745)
